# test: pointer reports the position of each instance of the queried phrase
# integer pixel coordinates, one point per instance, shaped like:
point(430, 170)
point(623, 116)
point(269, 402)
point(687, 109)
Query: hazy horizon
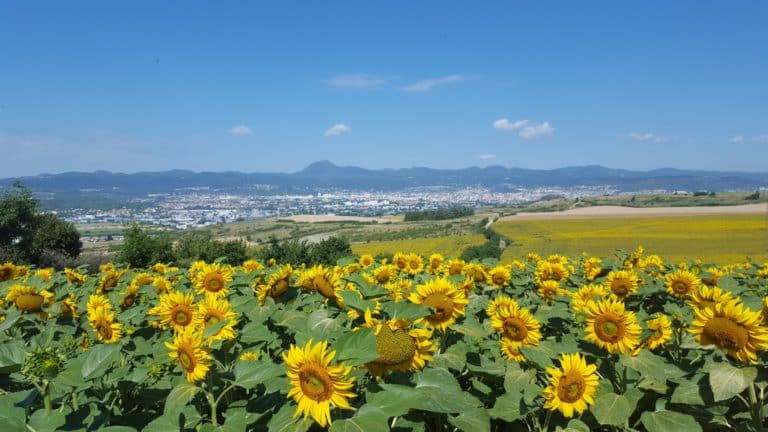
point(271, 88)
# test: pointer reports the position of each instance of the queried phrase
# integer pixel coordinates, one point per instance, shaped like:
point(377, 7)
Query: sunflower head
point(499, 276)
point(213, 279)
point(366, 260)
point(7, 271)
point(661, 331)
point(213, 310)
point(549, 289)
point(572, 387)
point(251, 265)
point(326, 281)
point(277, 284)
point(496, 304)
point(592, 268)
point(622, 283)
point(176, 310)
point(75, 277)
point(476, 272)
point(517, 325)
point(316, 385)
point(400, 260)
point(454, 267)
point(733, 328)
point(681, 283)
point(188, 349)
point(441, 295)
point(548, 271)
point(705, 297)
point(586, 294)
point(28, 298)
point(399, 345)
point(612, 328)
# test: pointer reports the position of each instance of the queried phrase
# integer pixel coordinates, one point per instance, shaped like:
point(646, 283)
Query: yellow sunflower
point(7, 271)
point(69, 307)
point(706, 298)
point(546, 270)
point(74, 276)
point(476, 272)
point(315, 384)
point(498, 303)
point(176, 310)
point(29, 299)
point(441, 295)
point(400, 346)
point(400, 260)
point(499, 276)
point(764, 312)
point(129, 296)
point(95, 302)
point(109, 280)
point(213, 310)
point(195, 269)
point(661, 331)
point(733, 328)
point(454, 267)
point(612, 328)
point(586, 294)
point(533, 257)
point(518, 328)
point(548, 289)
point(716, 273)
point(572, 387)
point(415, 264)
point(277, 284)
point(162, 284)
point(249, 356)
point(622, 283)
point(399, 289)
point(188, 349)
point(592, 268)
point(251, 265)
point(45, 273)
point(635, 260)
point(681, 283)
point(213, 279)
point(103, 323)
point(385, 273)
point(326, 281)
point(435, 262)
point(653, 265)
point(366, 260)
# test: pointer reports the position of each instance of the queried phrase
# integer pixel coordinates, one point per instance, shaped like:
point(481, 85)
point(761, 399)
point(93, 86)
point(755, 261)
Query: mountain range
point(326, 175)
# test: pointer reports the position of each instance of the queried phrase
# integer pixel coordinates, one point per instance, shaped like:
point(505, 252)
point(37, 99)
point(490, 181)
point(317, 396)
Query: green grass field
point(720, 239)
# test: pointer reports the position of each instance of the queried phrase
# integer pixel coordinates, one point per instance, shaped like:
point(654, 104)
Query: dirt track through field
point(618, 211)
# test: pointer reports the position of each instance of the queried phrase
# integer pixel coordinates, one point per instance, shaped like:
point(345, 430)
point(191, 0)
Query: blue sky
point(274, 86)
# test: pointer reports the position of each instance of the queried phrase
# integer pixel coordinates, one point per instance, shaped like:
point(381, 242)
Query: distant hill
point(324, 174)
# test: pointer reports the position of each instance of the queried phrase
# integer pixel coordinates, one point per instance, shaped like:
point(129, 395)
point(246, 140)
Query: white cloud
point(646, 137)
point(486, 157)
point(337, 129)
point(506, 125)
point(356, 81)
point(739, 139)
point(536, 131)
point(240, 130)
point(525, 128)
point(429, 84)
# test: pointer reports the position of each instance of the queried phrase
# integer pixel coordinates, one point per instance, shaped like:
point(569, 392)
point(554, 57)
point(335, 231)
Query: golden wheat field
point(448, 245)
point(713, 238)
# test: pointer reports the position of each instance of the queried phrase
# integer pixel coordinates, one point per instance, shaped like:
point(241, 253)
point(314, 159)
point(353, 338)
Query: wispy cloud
point(487, 157)
point(240, 130)
point(646, 137)
point(428, 84)
point(356, 81)
point(524, 128)
point(760, 139)
point(506, 125)
point(337, 129)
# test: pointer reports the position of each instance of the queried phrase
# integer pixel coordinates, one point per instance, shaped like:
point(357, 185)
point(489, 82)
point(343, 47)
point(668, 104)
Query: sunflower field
point(411, 343)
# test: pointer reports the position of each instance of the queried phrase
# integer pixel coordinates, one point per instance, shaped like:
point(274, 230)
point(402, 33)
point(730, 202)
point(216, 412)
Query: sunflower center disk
point(442, 304)
point(181, 317)
point(213, 283)
point(571, 388)
point(105, 330)
point(680, 287)
point(515, 329)
point(608, 329)
point(315, 383)
point(498, 279)
point(394, 347)
point(621, 288)
point(186, 361)
point(726, 333)
point(29, 302)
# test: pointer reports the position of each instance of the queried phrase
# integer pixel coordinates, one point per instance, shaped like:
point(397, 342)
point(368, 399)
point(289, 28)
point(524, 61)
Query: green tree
point(142, 249)
point(329, 251)
point(30, 237)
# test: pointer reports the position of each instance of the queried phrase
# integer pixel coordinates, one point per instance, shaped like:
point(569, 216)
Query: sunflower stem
point(212, 401)
point(756, 408)
point(545, 427)
point(47, 398)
